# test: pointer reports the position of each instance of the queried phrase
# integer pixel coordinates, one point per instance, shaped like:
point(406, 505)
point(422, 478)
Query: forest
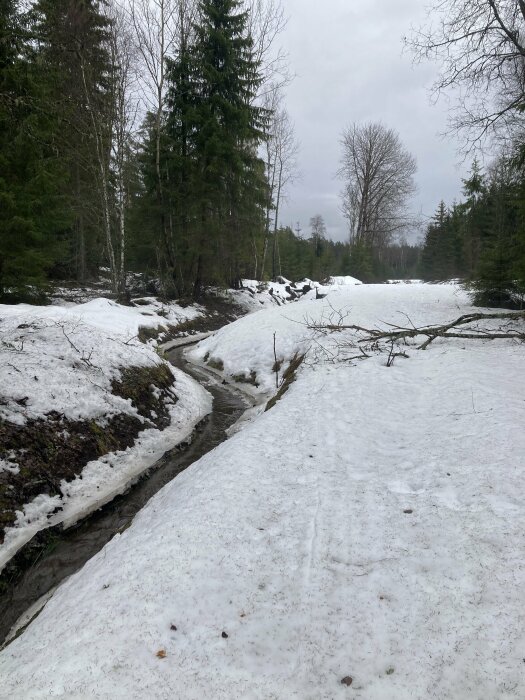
point(153, 137)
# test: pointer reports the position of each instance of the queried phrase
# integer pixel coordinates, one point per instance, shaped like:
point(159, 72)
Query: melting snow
point(370, 526)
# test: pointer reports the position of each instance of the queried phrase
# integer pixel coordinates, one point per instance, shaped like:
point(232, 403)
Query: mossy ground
point(52, 449)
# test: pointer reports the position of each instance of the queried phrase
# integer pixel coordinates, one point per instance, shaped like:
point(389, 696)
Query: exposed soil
point(54, 449)
point(288, 379)
point(219, 310)
point(54, 554)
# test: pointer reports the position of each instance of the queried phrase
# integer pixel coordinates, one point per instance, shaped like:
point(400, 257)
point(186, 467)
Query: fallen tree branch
point(394, 332)
point(446, 330)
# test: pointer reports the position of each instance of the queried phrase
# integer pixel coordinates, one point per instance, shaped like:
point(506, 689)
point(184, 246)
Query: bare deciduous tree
point(266, 20)
point(379, 180)
point(162, 28)
point(124, 116)
point(481, 45)
point(281, 166)
point(318, 230)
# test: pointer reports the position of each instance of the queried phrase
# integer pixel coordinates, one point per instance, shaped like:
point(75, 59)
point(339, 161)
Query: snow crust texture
point(370, 526)
point(63, 360)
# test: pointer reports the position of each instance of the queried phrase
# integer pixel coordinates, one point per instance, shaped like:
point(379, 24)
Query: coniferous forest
point(158, 143)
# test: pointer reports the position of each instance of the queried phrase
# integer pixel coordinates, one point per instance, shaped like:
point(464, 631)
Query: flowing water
point(71, 548)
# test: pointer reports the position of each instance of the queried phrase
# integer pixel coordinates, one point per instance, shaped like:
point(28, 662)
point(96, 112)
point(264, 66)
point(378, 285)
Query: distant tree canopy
point(317, 257)
point(193, 198)
point(482, 239)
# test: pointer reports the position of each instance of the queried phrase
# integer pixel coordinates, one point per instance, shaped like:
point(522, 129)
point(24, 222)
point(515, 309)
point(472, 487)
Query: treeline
point(317, 258)
point(131, 137)
point(152, 137)
point(482, 239)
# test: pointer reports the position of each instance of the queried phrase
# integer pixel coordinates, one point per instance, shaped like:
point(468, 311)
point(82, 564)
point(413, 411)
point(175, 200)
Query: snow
point(344, 281)
point(8, 465)
point(111, 475)
point(370, 525)
point(64, 360)
point(249, 343)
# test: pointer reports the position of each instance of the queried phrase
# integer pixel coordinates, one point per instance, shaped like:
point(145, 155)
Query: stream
point(71, 548)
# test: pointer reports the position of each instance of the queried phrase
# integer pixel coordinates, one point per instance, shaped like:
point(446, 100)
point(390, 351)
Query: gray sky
point(349, 61)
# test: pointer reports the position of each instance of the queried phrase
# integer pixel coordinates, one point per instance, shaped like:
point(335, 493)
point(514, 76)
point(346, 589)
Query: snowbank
point(344, 281)
point(61, 359)
point(248, 345)
point(369, 526)
point(63, 362)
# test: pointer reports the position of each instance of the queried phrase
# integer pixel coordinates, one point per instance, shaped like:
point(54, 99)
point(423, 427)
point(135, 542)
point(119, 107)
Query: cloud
point(350, 66)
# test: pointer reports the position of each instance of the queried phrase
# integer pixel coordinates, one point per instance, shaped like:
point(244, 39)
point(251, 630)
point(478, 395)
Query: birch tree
point(266, 21)
point(281, 160)
point(123, 122)
point(162, 29)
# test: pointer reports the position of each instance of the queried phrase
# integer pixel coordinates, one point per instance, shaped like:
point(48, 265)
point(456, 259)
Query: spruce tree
point(32, 212)
point(216, 129)
point(72, 55)
point(493, 282)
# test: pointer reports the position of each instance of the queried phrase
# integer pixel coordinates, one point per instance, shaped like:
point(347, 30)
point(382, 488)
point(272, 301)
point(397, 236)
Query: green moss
point(216, 364)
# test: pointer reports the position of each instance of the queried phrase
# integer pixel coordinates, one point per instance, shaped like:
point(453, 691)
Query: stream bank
point(46, 562)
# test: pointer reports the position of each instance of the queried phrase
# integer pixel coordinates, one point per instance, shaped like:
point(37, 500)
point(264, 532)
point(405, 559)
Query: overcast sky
point(349, 64)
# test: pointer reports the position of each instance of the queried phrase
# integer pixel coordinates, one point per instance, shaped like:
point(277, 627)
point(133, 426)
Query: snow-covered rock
point(344, 281)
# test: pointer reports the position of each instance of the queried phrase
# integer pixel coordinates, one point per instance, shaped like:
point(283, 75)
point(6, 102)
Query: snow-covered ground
point(370, 526)
point(255, 295)
point(63, 360)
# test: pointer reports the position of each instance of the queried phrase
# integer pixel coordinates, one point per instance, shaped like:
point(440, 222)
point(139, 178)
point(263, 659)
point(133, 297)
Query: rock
point(347, 680)
point(224, 635)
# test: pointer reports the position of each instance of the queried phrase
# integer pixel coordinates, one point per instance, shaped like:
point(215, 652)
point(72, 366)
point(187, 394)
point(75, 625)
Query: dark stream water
point(73, 547)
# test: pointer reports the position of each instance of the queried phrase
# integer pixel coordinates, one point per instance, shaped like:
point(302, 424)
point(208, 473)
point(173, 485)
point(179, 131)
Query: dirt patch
point(288, 379)
point(49, 450)
point(150, 391)
point(215, 363)
point(218, 311)
point(243, 378)
point(151, 333)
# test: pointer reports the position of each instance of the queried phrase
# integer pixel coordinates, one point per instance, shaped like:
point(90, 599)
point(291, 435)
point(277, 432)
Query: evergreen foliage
point(191, 189)
point(482, 240)
point(32, 212)
point(72, 59)
point(300, 258)
point(214, 180)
